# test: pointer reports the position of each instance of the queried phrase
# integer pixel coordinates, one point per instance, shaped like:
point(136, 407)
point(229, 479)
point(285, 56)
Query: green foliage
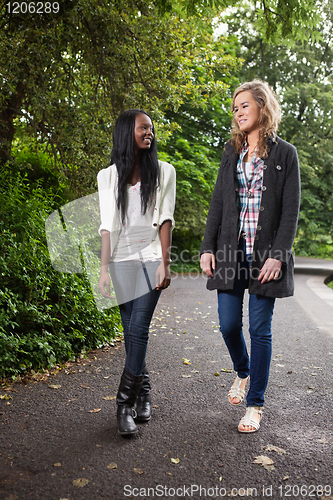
point(274, 19)
point(74, 75)
point(195, 149)
point(68, 76)
point(45, 316)
point(196, 173)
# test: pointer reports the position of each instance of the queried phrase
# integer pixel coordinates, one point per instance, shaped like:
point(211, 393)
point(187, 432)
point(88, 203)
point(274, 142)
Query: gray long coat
point(277, 222)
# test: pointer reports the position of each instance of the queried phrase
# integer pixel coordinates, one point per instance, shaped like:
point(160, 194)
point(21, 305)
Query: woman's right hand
point(104, 284)
point(207, 263)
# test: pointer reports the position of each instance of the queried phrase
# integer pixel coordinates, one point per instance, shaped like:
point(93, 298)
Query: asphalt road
point(50, 437)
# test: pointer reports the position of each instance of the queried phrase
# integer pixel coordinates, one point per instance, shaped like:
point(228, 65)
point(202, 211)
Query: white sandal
point(236, 391)
point(248, 420)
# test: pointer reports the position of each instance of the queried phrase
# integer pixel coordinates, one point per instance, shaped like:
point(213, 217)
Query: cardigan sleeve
point(104, 182)
point(214, 217)
point(286, 232)
point(168, 194)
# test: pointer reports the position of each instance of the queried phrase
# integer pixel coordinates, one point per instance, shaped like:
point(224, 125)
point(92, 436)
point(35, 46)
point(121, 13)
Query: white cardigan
point(164, 208)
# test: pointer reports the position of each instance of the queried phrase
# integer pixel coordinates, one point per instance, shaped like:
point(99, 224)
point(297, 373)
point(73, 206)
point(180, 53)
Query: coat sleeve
point(282, 247)
point(214, 217)
point(168, 194)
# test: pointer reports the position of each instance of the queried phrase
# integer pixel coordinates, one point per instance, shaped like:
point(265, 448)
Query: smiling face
point(247, 112)
point(143, 132)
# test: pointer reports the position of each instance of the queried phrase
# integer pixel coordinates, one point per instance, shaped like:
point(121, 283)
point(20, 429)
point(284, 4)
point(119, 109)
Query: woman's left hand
point(163, 277)
point(270, 270)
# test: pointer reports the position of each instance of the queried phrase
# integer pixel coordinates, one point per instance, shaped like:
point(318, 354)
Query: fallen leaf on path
point(81, 482)
point(58, 464)
point(85, 386)
point(54, 386)
point(266, 462)
point(113, 465)
point(271, 447)
point(138, 471)
point(109, 398)
point(6, 397)
point(226, 370)
point(186, 361)
point(175, 460)
point(186, 376)
point(96, 410)
point(263, 460)
point(216, 374)
point(285, 478)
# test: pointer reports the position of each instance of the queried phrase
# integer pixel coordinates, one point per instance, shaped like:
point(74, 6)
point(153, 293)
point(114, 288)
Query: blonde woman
point(248, 240)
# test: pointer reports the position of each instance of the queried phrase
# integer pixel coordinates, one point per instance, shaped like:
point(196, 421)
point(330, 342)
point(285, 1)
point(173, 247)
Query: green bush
point(45, 316)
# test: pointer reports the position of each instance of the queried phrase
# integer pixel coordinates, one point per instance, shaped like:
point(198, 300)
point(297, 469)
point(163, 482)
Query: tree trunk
point(11, 107)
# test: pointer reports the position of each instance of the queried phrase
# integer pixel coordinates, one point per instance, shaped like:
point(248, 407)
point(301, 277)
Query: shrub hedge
point(46, 317)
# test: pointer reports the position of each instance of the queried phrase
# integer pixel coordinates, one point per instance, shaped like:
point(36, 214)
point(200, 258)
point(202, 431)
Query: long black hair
point(123, 156)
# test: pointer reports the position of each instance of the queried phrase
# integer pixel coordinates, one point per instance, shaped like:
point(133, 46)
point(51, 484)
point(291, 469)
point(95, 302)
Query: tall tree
point(68, 76)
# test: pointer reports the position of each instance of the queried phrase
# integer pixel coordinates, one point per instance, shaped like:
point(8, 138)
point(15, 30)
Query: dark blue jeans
point(135, 288)
point(230, 309)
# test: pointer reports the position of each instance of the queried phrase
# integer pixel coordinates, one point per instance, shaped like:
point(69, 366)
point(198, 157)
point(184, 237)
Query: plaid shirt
point(249, 191)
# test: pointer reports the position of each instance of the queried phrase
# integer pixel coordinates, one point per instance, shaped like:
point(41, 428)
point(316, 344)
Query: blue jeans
point(135, 288)
point(230, 309)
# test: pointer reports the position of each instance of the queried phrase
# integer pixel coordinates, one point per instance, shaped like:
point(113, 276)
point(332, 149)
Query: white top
point(247, 169)
point(247, 172)
point(164, 207)
point(134, 238)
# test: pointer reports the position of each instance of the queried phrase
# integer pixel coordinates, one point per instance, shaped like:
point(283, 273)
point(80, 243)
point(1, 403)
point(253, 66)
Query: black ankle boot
point(127, 394)
point(143, 410)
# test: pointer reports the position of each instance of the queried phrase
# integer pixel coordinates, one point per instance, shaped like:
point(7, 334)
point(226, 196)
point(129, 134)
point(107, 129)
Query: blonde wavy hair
point(269, 120)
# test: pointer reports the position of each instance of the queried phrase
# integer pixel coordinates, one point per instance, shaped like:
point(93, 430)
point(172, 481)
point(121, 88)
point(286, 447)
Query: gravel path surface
point(52, 437)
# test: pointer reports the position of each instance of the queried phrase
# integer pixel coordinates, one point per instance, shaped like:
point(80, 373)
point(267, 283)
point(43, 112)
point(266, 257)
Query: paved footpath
point(52, 437)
